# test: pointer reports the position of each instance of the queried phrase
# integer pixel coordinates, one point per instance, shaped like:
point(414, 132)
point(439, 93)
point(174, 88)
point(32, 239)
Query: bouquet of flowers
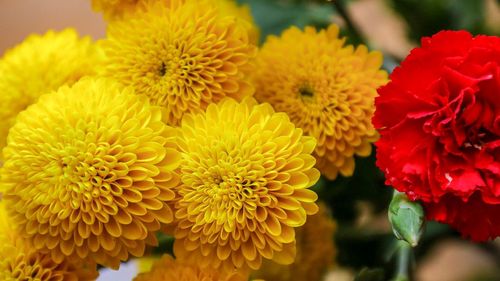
point(210, 147)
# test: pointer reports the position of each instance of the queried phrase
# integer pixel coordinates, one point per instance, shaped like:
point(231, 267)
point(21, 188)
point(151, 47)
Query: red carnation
point(439, 120)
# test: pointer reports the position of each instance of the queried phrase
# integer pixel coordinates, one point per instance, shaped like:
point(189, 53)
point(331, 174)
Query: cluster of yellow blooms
point(177, 122)
point(315, 252)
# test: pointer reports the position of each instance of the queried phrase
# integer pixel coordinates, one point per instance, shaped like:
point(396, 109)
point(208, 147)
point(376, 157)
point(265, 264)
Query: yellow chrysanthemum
point(20, 262)
point(88, 172)
point(245, 175)
point(326, 88)
point(243, 12)
point(168, 269)
point(181, 55)
point(116, 9)
point(315, 252)
point(120, 9)
point(41, 64)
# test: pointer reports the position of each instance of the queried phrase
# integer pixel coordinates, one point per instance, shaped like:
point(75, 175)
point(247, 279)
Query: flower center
point(306, 93)
point(226, 188)
point(173, 69)
point(163, 69)
point(91, 174)
point(229, 190)
point(477, 137)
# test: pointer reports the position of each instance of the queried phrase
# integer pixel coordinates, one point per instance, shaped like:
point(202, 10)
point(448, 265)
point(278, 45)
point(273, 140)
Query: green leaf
point(275, 16)
point(165, 244)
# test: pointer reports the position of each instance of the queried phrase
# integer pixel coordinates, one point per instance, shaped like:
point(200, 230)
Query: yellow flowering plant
point(224, 140)
point(89, 172)
point(42, 64)
point(315, 251)
point(245, 174)
point(180, 64)
point(331, 98)
point(21, 261)
point(168, 268)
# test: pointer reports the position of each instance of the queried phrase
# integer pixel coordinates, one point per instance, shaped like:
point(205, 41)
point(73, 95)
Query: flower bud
point(407, 218)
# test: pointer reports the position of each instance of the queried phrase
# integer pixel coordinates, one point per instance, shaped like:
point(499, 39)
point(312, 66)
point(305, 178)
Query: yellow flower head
point(41, 64)
point(245, 173)
point(20, 262)
point(120, 9)
point(168, 269)
point(243, 13)
point(326, 88)
point(183, 56)
point(116, 9)
point(315, 252)
point(88, 172)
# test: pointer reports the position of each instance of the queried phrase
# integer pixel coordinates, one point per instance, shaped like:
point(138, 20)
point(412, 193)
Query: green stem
point(403, 271)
